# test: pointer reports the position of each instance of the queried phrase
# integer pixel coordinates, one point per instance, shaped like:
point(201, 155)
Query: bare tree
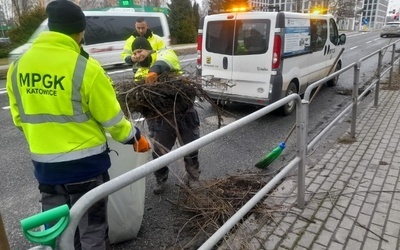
point(21, 6)
point(6, 9)
point(217, 5)
point(95, 4)
point(153, 3)
point(205, 6)
point(343, 8)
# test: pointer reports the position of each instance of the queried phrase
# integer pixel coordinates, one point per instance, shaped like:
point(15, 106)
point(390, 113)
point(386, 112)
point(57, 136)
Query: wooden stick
point(319, 87)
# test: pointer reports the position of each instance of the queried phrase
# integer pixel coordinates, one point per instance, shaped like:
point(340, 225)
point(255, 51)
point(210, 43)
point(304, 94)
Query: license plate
point(213, 84)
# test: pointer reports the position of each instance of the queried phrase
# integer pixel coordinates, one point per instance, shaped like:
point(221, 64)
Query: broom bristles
point(270, 157)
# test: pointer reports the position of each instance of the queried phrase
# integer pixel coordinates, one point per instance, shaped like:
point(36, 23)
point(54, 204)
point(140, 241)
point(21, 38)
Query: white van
point(106, 33)
point(261, 57)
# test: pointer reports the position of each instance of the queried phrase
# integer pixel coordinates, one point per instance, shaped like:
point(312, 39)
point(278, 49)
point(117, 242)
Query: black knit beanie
point(65, 17)
point(141, 43)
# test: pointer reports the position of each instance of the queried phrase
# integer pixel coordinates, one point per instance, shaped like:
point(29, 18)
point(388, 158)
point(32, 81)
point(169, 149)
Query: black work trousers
point(92, 231)
point(165, 136)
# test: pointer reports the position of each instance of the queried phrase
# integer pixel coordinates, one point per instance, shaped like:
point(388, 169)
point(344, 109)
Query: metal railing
point(302, 108)
point(224, 229)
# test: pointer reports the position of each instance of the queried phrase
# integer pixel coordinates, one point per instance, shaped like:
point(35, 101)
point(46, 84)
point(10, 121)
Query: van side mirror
point(342, 39)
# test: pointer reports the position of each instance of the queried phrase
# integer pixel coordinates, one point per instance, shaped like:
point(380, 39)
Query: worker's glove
point(142, 145)
point(151, 77)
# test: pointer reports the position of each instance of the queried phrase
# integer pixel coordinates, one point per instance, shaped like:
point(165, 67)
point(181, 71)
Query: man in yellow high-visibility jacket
point(152, 64)
point(64, 104)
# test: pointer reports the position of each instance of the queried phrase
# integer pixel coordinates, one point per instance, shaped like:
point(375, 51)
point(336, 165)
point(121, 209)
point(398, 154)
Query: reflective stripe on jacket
point(167, 56)
point(63, 102)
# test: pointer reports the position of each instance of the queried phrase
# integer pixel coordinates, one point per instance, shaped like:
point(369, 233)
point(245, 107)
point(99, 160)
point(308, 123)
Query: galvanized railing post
point(398, 61)
point(391, 65)
point(356, 81)
point(378, 75)
point(399, 66)
point(302, 118)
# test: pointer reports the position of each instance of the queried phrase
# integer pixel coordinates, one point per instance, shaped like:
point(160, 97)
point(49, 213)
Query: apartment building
point(375, 12)
point(373, 16)
point(303, 6)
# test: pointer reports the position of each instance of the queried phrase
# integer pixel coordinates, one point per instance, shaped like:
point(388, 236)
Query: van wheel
point(289, 107)
point(334, 81)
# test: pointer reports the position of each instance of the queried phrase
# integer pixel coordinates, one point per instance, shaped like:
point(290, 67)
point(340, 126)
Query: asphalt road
point(163, 221)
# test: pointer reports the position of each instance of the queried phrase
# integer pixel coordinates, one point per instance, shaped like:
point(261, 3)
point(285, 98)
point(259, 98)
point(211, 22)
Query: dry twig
point(170, 97)
point(217, 200)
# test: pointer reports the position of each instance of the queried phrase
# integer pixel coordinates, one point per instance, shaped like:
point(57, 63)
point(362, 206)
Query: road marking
point(5, 107)
point(352, 35)
point(3, 91)
point(118, 71)
point(354, 47)
point(188, 60)
point(369, 42)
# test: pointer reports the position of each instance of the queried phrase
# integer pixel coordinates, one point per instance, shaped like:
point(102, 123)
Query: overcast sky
point(394, 4)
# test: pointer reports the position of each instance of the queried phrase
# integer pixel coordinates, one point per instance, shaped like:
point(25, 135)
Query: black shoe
point(193, 183)
point(160, 187)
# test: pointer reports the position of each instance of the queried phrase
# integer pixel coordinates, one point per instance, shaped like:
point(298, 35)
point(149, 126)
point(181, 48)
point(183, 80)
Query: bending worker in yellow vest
point(152, 64)
point(64, 105)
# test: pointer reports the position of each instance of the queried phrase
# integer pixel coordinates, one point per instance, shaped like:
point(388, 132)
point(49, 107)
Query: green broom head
point(271, 156)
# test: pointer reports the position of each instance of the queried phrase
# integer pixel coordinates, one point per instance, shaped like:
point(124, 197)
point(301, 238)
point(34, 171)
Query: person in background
point(141, 30)
point(64, 105)
point(153, 64)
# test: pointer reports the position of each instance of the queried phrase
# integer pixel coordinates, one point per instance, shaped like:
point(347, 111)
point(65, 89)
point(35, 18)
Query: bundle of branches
point(217, 200)
point(169, 96)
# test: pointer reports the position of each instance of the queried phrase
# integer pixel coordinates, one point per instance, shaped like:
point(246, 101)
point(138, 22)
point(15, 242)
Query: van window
point(102, 29)
point(333, 32)
point(254, 35)
point(249, 37)
point(319, 33)
point(219, 37)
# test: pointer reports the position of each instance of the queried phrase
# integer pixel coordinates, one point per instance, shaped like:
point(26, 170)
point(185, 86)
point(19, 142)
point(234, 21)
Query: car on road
point(391, 29)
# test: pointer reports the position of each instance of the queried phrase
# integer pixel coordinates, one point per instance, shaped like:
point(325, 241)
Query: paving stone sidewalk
point(352, 194)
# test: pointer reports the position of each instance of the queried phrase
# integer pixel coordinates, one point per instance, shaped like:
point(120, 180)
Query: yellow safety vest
point(166, 55)
point(63, 104)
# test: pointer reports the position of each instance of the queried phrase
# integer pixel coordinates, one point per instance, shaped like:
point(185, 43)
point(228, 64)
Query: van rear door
point(237, 54)
point(217, 51)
